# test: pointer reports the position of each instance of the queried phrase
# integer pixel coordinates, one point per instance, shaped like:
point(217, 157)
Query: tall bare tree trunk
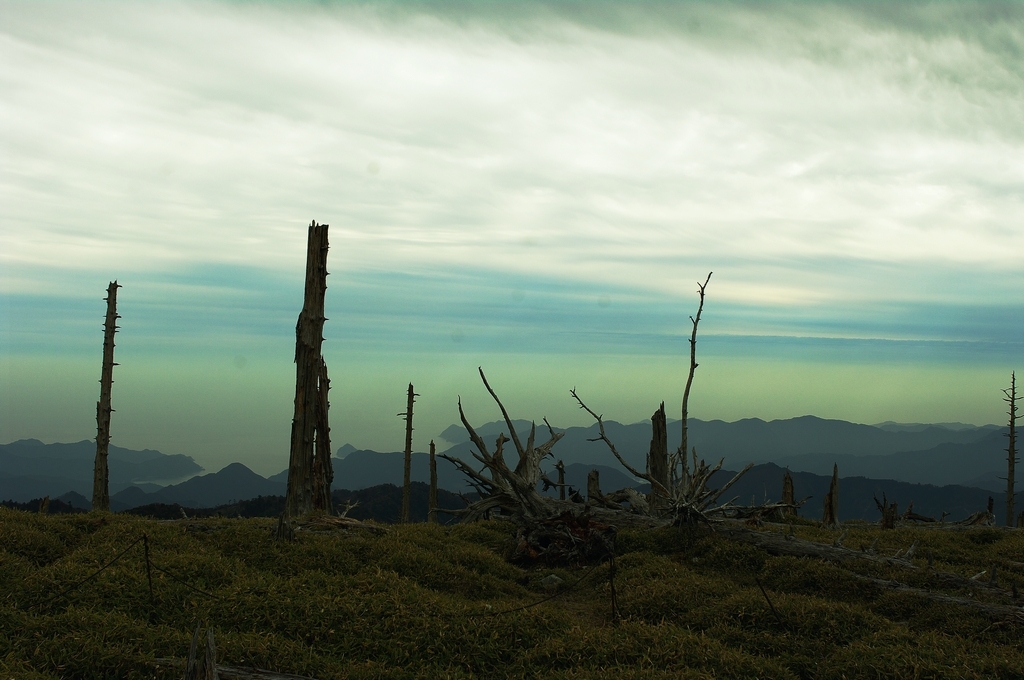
point(657, 459)
point(830, 513)
point(309, 424)
point(684, 445)
point(407, 478)
point(432, 498)
point(1011, 449)
point(100, 480)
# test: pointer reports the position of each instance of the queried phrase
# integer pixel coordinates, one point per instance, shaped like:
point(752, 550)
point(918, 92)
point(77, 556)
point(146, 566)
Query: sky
point(535, 188)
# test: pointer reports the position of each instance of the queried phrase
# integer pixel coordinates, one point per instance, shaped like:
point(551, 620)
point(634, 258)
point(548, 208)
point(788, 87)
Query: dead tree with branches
point(310, 473)
point(101, 472)
point(577, 528)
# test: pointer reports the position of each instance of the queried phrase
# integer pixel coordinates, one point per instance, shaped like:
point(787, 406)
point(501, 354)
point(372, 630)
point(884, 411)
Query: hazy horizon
point(534, 188)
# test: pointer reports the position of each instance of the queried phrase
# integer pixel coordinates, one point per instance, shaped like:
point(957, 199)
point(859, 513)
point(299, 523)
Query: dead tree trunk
point(1011, 449)
point(889, 512)
point(657, 460)
point(560, 467)
point(323, 469)
point(310, 441)
point(830, 513)
point(432, 497)
point(684, 444)
point(100, 480)
point(407, 476)
point(788, 497)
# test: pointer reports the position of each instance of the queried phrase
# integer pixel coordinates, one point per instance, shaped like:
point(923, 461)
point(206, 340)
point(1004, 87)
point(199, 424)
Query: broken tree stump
point(309, 465)
point(830, 511)
point(787, 495)
point(657, 460)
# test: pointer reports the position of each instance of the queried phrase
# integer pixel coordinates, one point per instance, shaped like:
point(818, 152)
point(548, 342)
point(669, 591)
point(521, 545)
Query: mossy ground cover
point(423, 601)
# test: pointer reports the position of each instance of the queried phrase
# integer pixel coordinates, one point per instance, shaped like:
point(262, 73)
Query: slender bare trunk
point(695, 320)
point(100, 483)
point(310, 420)
point(432, 498)
point(1011, 449)
point(407, 478)
point(560, 466)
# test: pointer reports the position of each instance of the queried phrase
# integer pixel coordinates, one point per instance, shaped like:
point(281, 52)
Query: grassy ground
point(432, 602)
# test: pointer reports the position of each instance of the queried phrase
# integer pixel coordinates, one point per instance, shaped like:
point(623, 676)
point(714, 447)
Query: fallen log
point(776, 543)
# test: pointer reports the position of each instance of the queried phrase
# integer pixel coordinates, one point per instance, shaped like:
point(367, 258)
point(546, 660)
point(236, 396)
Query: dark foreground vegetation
point(422, 600)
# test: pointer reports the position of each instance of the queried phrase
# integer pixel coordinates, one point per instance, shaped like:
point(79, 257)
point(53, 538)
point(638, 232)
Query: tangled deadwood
point(564, 530)
point(550, 529)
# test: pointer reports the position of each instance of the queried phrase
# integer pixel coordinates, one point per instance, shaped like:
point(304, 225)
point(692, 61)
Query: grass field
point(424, 601)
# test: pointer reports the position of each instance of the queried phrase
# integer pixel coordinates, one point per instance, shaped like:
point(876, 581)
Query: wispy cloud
point(548, 178)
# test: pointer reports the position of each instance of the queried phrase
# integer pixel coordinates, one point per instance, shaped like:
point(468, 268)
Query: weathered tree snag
point(100, 480)
point(309, 423)
point(407, 476)
point(432, 497)
point(684, 444)
point(1011, 449)
point(889, 512)
point(830, 512)
point(657, 459)
point(323, 469)
point(788, 495)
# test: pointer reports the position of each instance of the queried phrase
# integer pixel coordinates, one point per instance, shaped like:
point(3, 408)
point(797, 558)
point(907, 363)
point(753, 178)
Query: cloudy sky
point(534, 188)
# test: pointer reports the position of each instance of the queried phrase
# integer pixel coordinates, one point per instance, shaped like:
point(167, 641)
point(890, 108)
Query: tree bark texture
point(323, 469)
point(657, 459)
point(309, 423)
point(407, 475)
point(100, 483)
point(1011, 449)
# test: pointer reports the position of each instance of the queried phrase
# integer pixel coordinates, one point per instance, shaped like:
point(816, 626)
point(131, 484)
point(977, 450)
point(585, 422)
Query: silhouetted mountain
point(363, 468)
point(30, 468)
point(76, 500)
point(918, 427)
point(806, 443)
point(232, 483)
point(856, 494)
point(949, 463)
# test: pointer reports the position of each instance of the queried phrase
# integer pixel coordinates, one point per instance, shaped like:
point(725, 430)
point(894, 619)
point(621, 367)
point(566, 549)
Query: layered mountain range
point(949, 467)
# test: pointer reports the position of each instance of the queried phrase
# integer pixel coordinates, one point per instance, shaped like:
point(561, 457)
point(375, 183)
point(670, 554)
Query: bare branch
point(504, 413)
point(604, 438)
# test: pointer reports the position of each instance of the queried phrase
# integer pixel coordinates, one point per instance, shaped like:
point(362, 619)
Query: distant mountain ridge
point(907, 453)
point(29, 468)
